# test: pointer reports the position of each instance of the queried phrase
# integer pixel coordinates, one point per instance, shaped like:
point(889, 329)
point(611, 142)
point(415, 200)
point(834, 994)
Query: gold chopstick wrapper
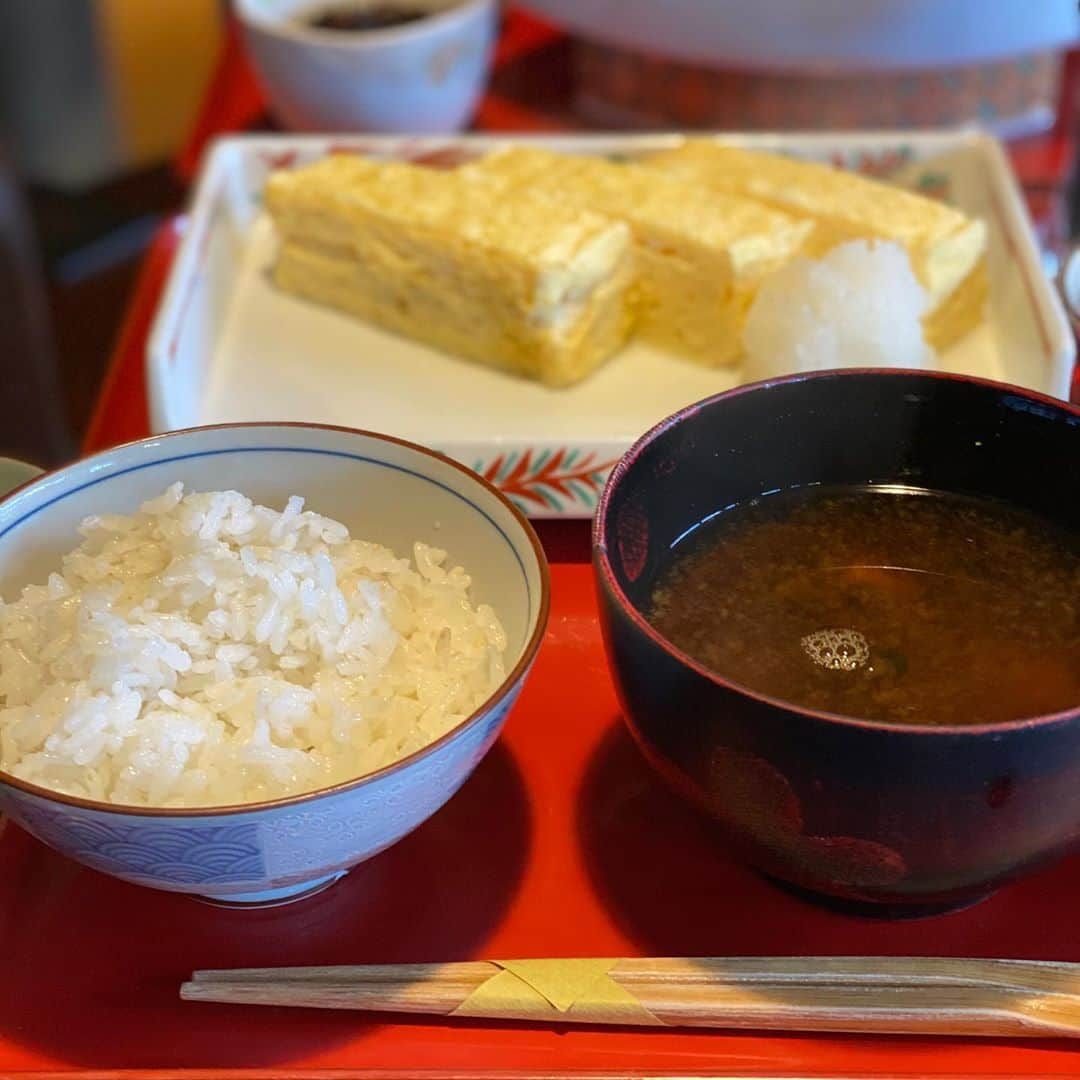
point(579, 991)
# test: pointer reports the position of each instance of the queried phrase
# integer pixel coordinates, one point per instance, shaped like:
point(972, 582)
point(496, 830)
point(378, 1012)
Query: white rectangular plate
point(226, 346)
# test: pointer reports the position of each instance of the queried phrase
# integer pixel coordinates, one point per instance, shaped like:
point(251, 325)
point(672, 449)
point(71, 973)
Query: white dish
point(866, 35)
point(227, 346)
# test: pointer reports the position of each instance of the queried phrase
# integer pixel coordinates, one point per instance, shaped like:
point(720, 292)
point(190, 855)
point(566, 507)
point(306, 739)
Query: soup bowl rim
point(609, 579)
point(506, 687)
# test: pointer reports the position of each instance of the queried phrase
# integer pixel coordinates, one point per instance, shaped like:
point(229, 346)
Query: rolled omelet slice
point(522, 284)
point(947, 248)
point(699, 254)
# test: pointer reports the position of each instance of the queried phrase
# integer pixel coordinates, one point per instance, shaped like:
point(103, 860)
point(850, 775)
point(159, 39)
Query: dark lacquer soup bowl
point(893, 818)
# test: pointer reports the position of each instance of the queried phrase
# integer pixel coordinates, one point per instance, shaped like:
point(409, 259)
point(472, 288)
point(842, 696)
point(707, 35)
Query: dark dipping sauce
point(890, 604)
point(375, 17)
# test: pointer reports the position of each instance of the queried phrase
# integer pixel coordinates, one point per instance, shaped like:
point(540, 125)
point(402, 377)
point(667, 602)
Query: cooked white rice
point(208, 651)
point(859, 305)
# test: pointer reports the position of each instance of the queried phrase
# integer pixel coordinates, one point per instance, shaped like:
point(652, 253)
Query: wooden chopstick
point(896, 995)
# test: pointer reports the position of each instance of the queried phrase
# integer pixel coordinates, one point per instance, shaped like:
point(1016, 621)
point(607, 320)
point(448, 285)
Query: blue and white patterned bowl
point(385, 490)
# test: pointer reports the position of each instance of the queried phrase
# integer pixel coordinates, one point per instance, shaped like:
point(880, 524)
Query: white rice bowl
point(207, 651)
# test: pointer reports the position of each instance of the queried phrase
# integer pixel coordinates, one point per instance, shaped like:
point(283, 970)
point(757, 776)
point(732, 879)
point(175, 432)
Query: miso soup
point(889, 604)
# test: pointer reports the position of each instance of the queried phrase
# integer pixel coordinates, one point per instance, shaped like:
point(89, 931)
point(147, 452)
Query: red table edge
point(346, 1073)
point(121, 413)
point(378, 1073)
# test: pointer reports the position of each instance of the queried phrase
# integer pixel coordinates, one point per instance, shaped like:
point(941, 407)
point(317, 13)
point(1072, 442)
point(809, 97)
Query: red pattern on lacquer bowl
point(757, 800)
point(632, 538)
point(849, 861)
point(754, 796)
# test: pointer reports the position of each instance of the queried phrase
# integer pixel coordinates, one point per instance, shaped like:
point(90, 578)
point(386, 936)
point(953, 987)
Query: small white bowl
point(423, 77)
point(384, 490)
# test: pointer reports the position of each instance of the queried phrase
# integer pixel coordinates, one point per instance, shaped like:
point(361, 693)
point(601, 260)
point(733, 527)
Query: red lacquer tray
point(561, 844)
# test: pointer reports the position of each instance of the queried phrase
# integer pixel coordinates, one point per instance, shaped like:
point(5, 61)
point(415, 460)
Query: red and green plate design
point(556, 480)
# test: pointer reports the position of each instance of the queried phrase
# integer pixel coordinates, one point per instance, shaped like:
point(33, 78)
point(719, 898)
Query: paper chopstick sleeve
point(577, 991)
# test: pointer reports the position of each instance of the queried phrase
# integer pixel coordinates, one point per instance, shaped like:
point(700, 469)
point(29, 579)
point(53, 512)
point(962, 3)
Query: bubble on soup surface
point(837, 650)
